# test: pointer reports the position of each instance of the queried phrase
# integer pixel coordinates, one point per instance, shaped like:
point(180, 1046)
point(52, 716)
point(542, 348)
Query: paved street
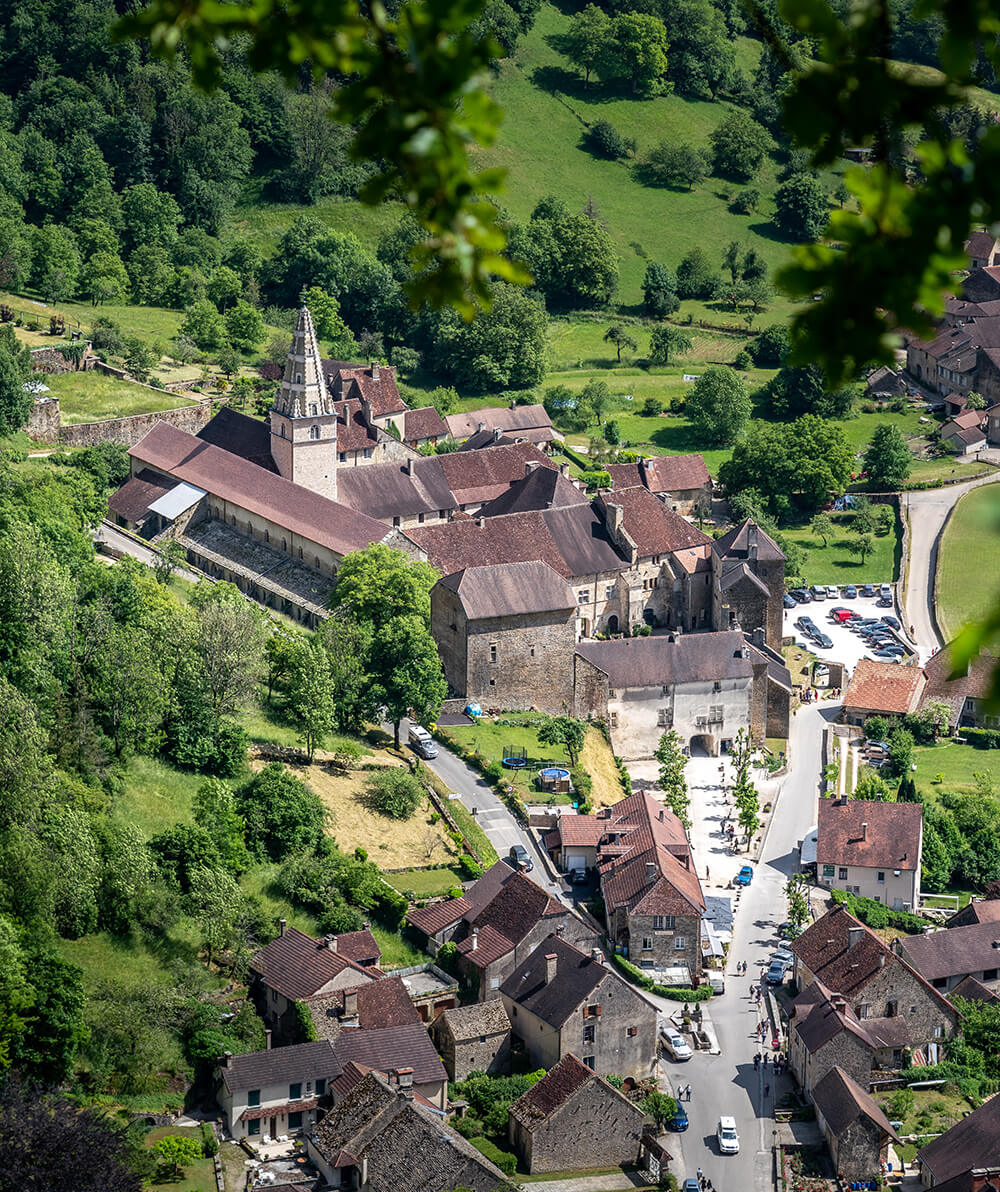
point(727, 1083)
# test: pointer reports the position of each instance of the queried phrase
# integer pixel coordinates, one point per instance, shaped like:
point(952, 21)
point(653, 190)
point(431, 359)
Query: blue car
point(744, 877)
point(679, 1122)
point(691, 1185)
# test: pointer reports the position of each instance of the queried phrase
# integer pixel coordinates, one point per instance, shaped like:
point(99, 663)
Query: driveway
point(926, 513)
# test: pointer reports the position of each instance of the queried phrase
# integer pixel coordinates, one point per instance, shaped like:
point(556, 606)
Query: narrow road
point(108, 533)
point(727, 1083)
point(927, 512)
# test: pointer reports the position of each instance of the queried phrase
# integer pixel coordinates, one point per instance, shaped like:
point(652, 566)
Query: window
point(613, 719)
point(939, 1029)
point(589, 1033)
point(581, 597)
point(913, 1009)
point(295, 1091)
point(368, 453)
point(940, 982)
point(663, 718)
point(298, 378)
point(880, 876)
point(842, 874)
point(589, 1061)
point(253, 1127)
point(828, 871)
point(531, 651)
point(609, 591)
point(632, 1032)
point(253, 1098)
point(493, 653)
point(313, 432)
point(495, 984)
point(342, 456)
point(989, 974)
point(295, 1120)
point(656, 560)
point(482, 1038)
point(647, 943)
point(313, 409)
point(665, 690)
point(717, 685)
point(715, 713)
point(267, 535)
point(863, 1010)
point(680, 943)
point(592, 1011)
point(891, 1008)
point(274, 995)
point(282, 430)
point(320, 1085)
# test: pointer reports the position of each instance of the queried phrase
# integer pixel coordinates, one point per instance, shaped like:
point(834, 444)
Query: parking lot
point(847, 646)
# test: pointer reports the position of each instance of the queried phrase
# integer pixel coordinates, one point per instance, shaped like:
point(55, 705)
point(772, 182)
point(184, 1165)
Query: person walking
point(767, 1089)
point(700, 1176)
point(756, 1061)
point(688, 1092)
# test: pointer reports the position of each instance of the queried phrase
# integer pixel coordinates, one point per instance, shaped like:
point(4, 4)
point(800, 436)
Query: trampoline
point(515, 763)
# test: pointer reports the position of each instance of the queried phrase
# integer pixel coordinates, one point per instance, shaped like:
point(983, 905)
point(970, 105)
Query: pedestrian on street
point(756, 1061)
point(688, 1092)
point(765, 1059)
point(680, 1092)
point(767, 1089)
point(700, 1177)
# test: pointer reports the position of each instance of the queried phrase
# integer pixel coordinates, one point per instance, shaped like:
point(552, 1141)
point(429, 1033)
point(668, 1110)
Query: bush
point(605, 140)
point(209, 1143)
point(468, 867)
point(282, 815)
point(742, 361)
point(393, 792)
point(982, 738)
point(503, 1159)
point(746, 201)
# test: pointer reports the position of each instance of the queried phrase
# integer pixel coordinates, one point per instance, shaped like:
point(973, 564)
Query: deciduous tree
point(587, 39)
point(565, 731)
point(739, 144)
point(667, 340)
point(617, 335)
point(673, 761)
point(719, 405)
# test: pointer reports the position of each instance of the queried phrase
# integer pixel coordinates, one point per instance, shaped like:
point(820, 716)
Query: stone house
point(964, 355)
point(966, 695)
point(856, 1130)
point(885, 382)
point(965, 433)
point(561, 1000)
point(876, 982)
point(294, 967)
point(970, 1149)
point(706, 686)
point(749, 587)
point(473, 1039)
point(882, 689)
point(506, 635)
point(682, 482)
point(371, 1006)
point(382, 1137)
point(407, 1047)
point(573, 1119)
point(423, 426)
point(872, 849)
point(529, 424)
point(982, 249)
point(945, 958)
point(267, 1094)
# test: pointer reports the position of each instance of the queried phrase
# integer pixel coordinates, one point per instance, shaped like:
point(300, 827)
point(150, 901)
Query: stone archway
point(613, 623)
point(703, 745)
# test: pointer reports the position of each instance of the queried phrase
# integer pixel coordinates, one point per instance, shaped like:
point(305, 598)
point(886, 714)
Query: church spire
point(303, 392)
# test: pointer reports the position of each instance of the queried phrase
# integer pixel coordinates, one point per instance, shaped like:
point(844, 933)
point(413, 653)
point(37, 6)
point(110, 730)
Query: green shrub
point(209, 1143)
point(982, 738)
point(502, 1159)
point(393, 792)
point(468, 867)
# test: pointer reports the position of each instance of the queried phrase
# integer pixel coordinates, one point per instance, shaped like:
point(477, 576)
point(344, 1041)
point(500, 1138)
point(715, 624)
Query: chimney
point(282, 925)
point(561, 929)
point(564, 470)
point(475, 939)
point(752, 541)
point(757, 636)
point(530, 466)
point(408, 466)
point(351, 1004)
point(480, 522)
point(854, 936)
point(375, 372)
point(267, 1040)
point(839, 1002)
point(227, 1059)
point(404, 1078)
point(497, 432)
point(614, 515)
point(661, 815)
point(330, 941)
point(551, 964)
point(482, 427)
point(596, 955)
point(650, 872)
point(864, 830)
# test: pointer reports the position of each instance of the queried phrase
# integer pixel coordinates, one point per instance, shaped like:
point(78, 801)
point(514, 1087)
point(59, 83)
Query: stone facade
point(595, 1127)
point(45, 419)
point(463, 1049)
point(485, 979)
point(859, 1150)
point(658, 941)
point(509, 662)
point(129, 431)
point(845, 1050)
point(51, 360)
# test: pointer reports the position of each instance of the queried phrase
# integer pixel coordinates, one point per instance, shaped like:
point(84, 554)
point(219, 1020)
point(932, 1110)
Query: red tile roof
point(298, 966)
point(580, 830)
point(884, 687)
point(870, 834)
point(439, 915)
point(555, 1088)
point(381, 1003)
point(655, 529)
point(675, 473)
point(513, 420)
point(374, 382)
point(360, 946)
point(230, 478)
point(133, 499)
point(975, 683)
point(391, 1048)
point(425, 423)
point(485, 945)
point(353, 433)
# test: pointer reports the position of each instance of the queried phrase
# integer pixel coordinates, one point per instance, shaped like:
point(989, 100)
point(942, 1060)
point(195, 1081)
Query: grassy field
point(263, 225)
point(197, 1177)
point(424, 883)
point(968, 570)
point(958, 764)
point(834, 564)
point(91, 396)
point(157, 796)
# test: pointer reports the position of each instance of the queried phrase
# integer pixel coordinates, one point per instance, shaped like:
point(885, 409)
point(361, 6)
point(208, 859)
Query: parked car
point(775, 972)
point(831, 592)
point(679, 1122)
point(784, 955)
point(744, 877)
point(885, 591)
point(717, 983)
point(801, 595)
point(786, 930)
point(675, 1043)
point(729, 1140)
point(885, 602)
point(841, 616)
point(817, 592)
point(518, 858)
point(789, 600)
point(690, 1185)
point(868, 590)
point(824, 642)
point(891, 621)
point(578, 877)
point(887, 656)
point(804, 623)
point(850, 592)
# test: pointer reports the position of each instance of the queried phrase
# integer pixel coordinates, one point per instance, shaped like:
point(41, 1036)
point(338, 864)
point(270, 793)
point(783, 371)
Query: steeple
point(303, 392)
point(304, 417)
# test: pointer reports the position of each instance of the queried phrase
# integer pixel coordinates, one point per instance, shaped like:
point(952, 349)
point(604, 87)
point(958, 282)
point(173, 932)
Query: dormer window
point(314, 409)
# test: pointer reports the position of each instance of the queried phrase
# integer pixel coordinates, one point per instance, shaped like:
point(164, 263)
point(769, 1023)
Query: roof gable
point(972, 1142)
point(510, 589)
point(869, 834)
point(280, 1065)
point(884, 687)
point(554, 1002)
point(841, 1100)
point(298, 966)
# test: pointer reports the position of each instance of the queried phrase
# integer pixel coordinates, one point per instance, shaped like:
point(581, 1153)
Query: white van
point(717, 983)
point(421, 742)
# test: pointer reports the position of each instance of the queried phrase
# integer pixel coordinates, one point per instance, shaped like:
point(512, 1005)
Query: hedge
point(503, 1159)
point(982, 738)
point(878, 915)
point(634, 974)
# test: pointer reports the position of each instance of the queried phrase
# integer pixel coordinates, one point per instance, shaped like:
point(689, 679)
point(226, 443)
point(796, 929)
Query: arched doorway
point(613, 623)
point(703, 745)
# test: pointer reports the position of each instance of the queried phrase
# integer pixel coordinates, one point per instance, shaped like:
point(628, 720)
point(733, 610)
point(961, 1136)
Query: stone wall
point(858, 1150)
point(523, 661)
point(613, 1048)
point(489, 1053)
point(44, 420)
point(779, 710)
point(663, 951)
point(51, 360)
point(845, 1050)
point(590, 690)
point(596, 1127)
point(129, 431)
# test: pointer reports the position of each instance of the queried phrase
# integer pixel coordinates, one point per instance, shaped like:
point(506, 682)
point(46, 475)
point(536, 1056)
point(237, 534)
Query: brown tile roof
point(298, 966)
point(675, 473)
point(577, 976)
point(736, 543)
point(974, 684)
point(240, 435)
point(381, 1003)
point(841, 1100)
point(872, 835)
point(981, 245)
point(888, 1032)
point(971, 418)
point(425, 423)
point(360, 946)
point(353, 433)
point(480, 476)
point(825, 1020)
point(978, 910)
point(485, 945)
point(514, 420)
point(624, 476)
point(133, 499)
point(580, 829)
point(555, 1089)
point(956, 950)
point(485, 438)
point(542, 488)
point(656, 661)
point(655, 529)
point(973, 991)
point(249, 1115)
point(393, 1047)
point(516, 908)
point(966, 435)
point(481, 1018)
point(972, 1142)
point(232, 479)
point(510, 589)
point(884, 687)
point(376, 383)
point(434, 918)
point(280, 1065)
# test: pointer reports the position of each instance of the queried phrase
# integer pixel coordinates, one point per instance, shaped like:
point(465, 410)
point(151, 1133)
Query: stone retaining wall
point(130, 430)
point(51, 360)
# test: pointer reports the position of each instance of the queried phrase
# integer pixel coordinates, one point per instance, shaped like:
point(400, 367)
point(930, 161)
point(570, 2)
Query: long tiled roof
point(381, 1003)
point(655, 661)
point(870, 834)
point(675, 473)
point(542, 488)
point(297, 966)
point(510, 589)
point(955, 950)
point(434, 918)
point(552, 1092)
point(393, 1047)
point(280, 1065)
point(884, 687)
point(577, 976)
point(841, 1100)
point(250, 487)
point(240, 435)
point(975, 683)
point(655, 529)
point(510, 419)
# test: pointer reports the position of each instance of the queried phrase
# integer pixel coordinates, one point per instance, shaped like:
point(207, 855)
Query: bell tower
point(303, 418)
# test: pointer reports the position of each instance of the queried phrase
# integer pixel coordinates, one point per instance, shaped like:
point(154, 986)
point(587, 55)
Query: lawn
point(968, 571)
point(424, 883)
point(92, 396)
point(157, 796)
point(958, 764)
point(933, 1111)
point(197, 1177)
point(263, 224)
point(834, 564)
